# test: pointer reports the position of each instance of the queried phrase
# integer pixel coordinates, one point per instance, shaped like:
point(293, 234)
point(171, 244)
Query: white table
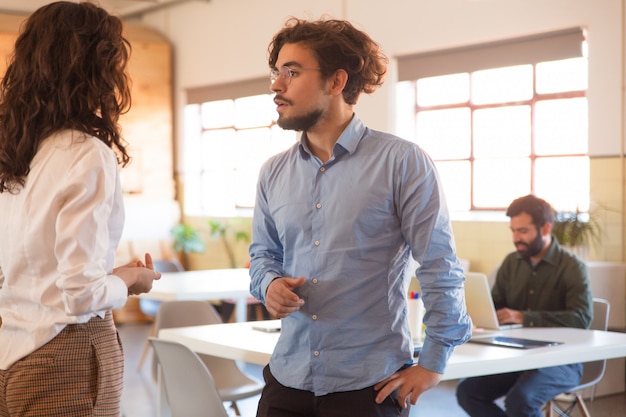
point(207, 284)
point(240, 342)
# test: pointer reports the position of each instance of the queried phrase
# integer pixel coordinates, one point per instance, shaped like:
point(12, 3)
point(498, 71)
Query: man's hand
point(280, 300)
point(410, 382)
point(508, 316)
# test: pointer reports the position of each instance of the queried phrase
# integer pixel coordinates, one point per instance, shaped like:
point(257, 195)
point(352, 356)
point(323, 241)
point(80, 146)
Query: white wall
point(226, 40)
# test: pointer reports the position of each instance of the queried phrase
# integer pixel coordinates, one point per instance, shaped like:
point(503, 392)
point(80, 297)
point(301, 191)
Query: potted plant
point(186, 241)
point(221, 231)
point(577, 231)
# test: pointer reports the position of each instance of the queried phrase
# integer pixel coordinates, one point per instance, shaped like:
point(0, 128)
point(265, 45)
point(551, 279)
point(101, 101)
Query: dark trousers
point(280, 401)
point(524, 392)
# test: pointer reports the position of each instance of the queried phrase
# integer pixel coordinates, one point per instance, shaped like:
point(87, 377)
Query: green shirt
point(554, 293)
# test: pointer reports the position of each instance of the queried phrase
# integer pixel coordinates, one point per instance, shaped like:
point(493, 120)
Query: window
point(226, 142)
point(501, 121)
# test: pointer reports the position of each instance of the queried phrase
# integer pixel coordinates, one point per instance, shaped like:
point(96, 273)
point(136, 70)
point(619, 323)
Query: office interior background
point(219, 50)
point(189, 52)
point(202, 119)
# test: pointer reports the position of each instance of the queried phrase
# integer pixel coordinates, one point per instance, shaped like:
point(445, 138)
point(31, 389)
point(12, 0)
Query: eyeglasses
point(287, 73)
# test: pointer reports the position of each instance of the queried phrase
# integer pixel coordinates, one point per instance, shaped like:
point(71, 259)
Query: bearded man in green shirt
point(539, 285)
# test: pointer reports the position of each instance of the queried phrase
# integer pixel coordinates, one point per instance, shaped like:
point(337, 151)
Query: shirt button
point(317, 243)
point(316, 353)
point(531, 292)
point(322, 169)
point(314, 316)
point(318, 205)
point(314, 281)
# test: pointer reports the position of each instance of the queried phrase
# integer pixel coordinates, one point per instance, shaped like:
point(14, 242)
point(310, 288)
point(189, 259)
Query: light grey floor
point(139, 398)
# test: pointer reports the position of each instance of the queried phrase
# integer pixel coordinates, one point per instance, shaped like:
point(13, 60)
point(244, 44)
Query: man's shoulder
point(564, 256)
point(381, 138)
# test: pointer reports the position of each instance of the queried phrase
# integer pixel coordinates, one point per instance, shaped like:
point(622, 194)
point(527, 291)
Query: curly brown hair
point(337, 44)
point(67, 71)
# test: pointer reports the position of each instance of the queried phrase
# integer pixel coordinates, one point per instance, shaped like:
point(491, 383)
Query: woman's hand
point(137, 275)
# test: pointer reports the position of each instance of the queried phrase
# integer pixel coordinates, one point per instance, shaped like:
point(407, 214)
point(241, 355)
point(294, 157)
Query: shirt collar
point(348, 140)
point(551, 255)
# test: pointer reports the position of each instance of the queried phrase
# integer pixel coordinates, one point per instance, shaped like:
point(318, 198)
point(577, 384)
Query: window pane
point(405, 109)
point(444, 134)
point(251, 148)
point(218, 149)
point(502, 85)
point(564, 181)
point(561, 126)
point(192, 160)
point(245, 187)
point(559, 76)
point(456, 179)
point(502, 132)
point(216, 114)
point(217, 192)
point(193, 194)
point(445, 89)
point(281, 139)
point(497, 182)
point(254, 111)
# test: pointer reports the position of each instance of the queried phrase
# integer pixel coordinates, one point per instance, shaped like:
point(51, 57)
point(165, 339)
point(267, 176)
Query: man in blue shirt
point(338, 219)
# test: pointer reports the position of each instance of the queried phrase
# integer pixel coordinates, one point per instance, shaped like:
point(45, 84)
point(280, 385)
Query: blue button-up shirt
point(351, 226)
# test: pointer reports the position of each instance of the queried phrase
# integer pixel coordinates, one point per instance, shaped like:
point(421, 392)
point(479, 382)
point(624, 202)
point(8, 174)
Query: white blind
point(527, 50)
point(230, 91)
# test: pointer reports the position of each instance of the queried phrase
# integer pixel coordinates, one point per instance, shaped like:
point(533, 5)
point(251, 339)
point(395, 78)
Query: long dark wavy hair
point(67, 71)
point(337, 44)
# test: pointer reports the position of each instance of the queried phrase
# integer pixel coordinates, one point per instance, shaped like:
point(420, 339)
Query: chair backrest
point(168, 265)
point(594, 371)
point(182, 313)
point(189, 386)
point(601, 310)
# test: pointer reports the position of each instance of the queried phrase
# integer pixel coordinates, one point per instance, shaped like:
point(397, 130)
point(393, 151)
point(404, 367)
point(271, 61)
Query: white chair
point(189, 385)
point(150, 307)
point(593, 372)
point(232, 383)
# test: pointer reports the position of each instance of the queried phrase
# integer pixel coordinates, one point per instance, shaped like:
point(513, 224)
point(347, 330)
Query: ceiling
point(124, 8)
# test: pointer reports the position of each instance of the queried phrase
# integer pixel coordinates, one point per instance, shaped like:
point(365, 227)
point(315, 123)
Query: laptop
point(480, 305)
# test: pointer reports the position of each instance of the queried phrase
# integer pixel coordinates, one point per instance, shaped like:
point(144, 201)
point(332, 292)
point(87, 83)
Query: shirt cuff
point(118, 291)
point(434, 356)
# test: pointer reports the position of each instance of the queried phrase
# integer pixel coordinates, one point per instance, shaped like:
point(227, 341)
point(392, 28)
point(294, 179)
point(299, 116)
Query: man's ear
point(546, 229)
point(338, 81)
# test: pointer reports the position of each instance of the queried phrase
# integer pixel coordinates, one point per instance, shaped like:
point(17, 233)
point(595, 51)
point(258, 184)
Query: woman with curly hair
point(62, 215)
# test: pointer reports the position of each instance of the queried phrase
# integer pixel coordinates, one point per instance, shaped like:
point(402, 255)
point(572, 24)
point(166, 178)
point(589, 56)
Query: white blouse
point(58, 237)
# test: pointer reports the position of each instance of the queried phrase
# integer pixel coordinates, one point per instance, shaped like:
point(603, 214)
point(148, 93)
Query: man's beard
point(300, 123)
point(532, 248)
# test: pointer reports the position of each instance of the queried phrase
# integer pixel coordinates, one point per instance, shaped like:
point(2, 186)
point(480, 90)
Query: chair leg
point(581, 406)
point(146, 348)
point(234, 407)
point(233, 316)
point(259, 312)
